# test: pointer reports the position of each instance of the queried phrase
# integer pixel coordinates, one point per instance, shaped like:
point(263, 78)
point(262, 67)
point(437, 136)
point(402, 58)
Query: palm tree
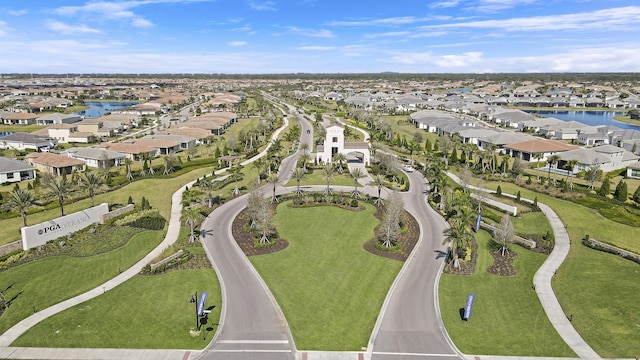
point(378, 181)
point(298, 174)
point(304, 147)
point(189, 217)
point(304, 159)
point(551, 161)
point(207, 185)
point(273, 180)
point(356, 174)
point(569, 167)
point(21, 200)
point(259, 165)
point(340, 158)
point(328, 171)
point(169, 163)
point(127, 163)
point(459, 236)
point(92, 181)
point(58, 187)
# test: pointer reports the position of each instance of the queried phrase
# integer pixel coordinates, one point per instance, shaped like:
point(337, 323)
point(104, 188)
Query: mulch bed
point(246, 240)
point(406, 242)
point(466, 267)
point(503, 265)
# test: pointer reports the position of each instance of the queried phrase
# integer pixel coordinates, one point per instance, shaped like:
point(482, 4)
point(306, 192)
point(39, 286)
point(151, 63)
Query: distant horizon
point(319, 36)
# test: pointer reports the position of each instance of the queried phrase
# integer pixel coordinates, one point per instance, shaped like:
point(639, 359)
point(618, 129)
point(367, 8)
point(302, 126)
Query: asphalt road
point(252, 325)
point(306, 137)
point(410, 326)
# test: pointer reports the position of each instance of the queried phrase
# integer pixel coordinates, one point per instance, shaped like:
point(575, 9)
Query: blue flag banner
point(478, 222)
point(203, 299)
point(468, 306)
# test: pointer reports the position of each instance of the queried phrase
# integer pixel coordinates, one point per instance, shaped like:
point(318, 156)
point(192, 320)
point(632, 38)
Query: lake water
point(100, 108)
point(589, 117)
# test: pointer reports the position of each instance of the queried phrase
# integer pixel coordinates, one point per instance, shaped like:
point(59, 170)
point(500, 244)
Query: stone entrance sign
point(36, 235)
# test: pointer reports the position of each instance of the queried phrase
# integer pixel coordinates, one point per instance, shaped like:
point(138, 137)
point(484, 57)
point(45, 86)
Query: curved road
point(409, 326)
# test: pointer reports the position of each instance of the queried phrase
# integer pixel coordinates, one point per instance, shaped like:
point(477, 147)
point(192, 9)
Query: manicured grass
point(328, 286)
point(531, 223)
point(20, 128)
point(600, 289)
point(507, 318)
point(157, 191)
point(317, 178)
point(45, 282)
point(114, 320)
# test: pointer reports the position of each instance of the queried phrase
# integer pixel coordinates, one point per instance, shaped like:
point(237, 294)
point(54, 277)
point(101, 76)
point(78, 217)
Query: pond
point(100, 108)
point(593, 118)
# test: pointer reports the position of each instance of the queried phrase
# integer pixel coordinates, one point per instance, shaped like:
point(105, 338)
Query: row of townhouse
point(103, 156)
point(526, 146)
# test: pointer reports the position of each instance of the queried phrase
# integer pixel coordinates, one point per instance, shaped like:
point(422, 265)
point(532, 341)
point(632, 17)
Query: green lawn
point(330, 289)
point(507, 318)
point(51, 280)
point(157, 191)
point(600, 289)
point(531, 223)
point(114, 320)
point(317, 178)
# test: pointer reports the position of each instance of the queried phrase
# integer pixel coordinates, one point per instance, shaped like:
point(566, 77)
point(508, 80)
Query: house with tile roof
point(527, 150)
point(12, 171)
point(97, 158)
point(20, 118)
point(54, 164)
point(135, 152)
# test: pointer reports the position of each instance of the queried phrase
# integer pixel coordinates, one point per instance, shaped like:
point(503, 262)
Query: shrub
point(354, 203)
point(147, 219)
point(499, 190)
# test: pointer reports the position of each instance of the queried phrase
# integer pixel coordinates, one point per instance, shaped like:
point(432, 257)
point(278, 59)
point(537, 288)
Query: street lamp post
point(194, 301)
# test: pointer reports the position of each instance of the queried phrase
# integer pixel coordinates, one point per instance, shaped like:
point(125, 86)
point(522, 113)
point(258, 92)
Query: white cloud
point(262, 6)
point(444, 4)
point(17, 12)
point(463, 60)
point(599, 19)
point(499, 5)
point(311, 32)
point(388, 34)
point(4, 28)
point(67, 29)
point(403, 20)
point(237, 43)
point(317, 48)
point(115, 10)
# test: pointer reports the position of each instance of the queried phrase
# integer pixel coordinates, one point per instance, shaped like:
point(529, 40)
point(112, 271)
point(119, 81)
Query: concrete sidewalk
point(542, 281)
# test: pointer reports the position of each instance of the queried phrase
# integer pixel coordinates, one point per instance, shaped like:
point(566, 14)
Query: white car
point(407, 168)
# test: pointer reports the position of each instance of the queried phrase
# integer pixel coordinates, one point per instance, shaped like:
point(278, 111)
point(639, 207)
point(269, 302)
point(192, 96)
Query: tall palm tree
point(378, 181)
point(328, 171)
point(459, 236)
point(58, 187)
point(304, 147)
point(259, 165)
point(273, 179)
point(92, 181)
point(356, 174)
point(552, 161)
point(569, 167)
point(189, 217)
point(298, 174)
point(21, 200)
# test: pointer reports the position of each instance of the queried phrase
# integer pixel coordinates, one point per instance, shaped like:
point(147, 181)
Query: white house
point(12, 171)
point(334, 143)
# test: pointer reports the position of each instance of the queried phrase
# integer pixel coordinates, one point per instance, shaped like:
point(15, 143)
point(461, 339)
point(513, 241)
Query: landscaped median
point(328, 286)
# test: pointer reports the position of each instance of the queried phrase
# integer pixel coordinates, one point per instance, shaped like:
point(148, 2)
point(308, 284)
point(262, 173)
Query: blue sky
point(319, 36)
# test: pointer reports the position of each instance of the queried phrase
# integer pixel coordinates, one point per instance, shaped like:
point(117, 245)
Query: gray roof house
point(97, 158)
point(58, 118)
point(12, 171)
point(26, 141)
